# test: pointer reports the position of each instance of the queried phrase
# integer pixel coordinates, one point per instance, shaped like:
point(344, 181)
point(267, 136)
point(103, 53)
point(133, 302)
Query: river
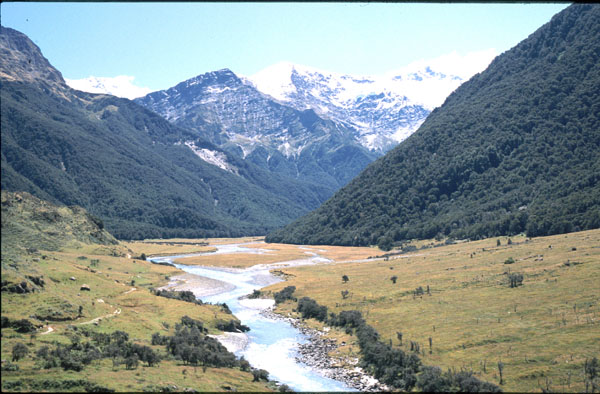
point(272, 344)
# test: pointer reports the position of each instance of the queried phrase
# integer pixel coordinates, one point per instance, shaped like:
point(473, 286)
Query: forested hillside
point(124, 163)
point(514, 149)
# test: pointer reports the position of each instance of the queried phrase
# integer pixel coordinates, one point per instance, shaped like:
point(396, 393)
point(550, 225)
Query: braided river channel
point(271, 344)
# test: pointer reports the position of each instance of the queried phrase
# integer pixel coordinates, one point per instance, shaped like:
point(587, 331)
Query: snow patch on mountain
point(215, 158)
point(120, 86)
point(383, 109)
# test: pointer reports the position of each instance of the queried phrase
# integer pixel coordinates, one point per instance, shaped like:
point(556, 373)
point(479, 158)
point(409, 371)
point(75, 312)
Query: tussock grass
point(168, 247)
point(115, 306)
point(543, 329)
point(276, 253)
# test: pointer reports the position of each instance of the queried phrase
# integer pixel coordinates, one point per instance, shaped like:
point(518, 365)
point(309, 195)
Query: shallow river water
point(272, 344)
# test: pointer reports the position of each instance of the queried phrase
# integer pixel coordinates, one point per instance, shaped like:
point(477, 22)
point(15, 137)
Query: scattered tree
point(515, 279)
point(385, 244)
point(19, 351)
point(258, 374)
point(345, 278)
point(394, 279)
point(131, 362)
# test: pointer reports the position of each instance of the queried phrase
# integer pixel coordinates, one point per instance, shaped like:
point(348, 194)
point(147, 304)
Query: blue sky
point(163, 44)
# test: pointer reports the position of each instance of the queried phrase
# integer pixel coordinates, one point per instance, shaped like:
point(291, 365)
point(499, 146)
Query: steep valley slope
point(514, 149)
point(143, 176)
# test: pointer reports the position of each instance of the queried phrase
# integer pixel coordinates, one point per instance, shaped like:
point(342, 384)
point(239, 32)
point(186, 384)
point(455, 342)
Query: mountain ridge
point(235, 116)
point(382, 110)
point(126, 164)
point(516, 148)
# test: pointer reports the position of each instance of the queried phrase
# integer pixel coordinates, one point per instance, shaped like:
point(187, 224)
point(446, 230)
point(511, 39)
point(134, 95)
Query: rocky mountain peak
point(22, 60)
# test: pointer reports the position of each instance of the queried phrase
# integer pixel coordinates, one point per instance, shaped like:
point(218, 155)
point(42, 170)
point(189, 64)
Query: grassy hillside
point(44, 285)
point(54, 227)
point(543, 330)
point(514, 149)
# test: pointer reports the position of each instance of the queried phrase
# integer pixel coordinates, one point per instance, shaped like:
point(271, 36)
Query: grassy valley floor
point(542, 331)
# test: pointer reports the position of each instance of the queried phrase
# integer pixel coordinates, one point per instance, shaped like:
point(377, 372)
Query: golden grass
point(543, 329)
point(277, 253)
point(138, 312)
point(168, 247)
point(167, 373)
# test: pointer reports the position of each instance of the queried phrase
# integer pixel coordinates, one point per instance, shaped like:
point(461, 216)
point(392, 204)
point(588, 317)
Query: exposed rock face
point(377, 110)
point(23, 60)
point(234, 115)
point(381, 110)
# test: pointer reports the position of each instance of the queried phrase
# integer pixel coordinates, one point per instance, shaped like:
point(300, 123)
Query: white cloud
point(120, 86)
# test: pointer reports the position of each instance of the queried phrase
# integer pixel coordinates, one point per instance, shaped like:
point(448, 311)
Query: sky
point(157, 45)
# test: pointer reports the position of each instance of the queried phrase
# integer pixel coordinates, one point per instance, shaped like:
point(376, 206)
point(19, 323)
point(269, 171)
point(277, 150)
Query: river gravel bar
point(199, 285)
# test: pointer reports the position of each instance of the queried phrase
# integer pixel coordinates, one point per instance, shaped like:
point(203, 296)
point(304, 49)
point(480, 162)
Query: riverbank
point(315, 354)
point(233, 341)
point(199, 285)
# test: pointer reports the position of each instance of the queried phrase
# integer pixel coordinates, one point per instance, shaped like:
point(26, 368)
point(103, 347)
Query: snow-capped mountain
point(235, 116)
point(384, 109)
point(120, 86)
point(311, 126)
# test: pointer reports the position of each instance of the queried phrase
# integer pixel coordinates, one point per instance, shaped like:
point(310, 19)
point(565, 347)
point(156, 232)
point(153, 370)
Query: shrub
point(385, 244)
point(255, 294)
point(10, 367)
point(131, 362)
point(232, 326)
point(309, 308)
point(515, 279)
point(191, 323)
point(352, 319)
point(258, 374)
point(185, 295)
point(19, 351)
point(23, 326)
point(285, 294)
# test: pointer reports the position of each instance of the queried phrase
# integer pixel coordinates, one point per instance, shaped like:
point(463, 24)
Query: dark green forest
point(515, 149)
point(121, 162)
point(127, 165)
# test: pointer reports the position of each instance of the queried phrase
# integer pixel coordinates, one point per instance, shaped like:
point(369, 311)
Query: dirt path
point(117, 312)
point(48, 331)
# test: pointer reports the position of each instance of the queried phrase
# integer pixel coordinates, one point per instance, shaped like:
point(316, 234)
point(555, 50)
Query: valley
point(305, 230)
point(542, 331)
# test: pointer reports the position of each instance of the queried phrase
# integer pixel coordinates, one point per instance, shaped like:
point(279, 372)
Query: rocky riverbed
point(315, 353)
